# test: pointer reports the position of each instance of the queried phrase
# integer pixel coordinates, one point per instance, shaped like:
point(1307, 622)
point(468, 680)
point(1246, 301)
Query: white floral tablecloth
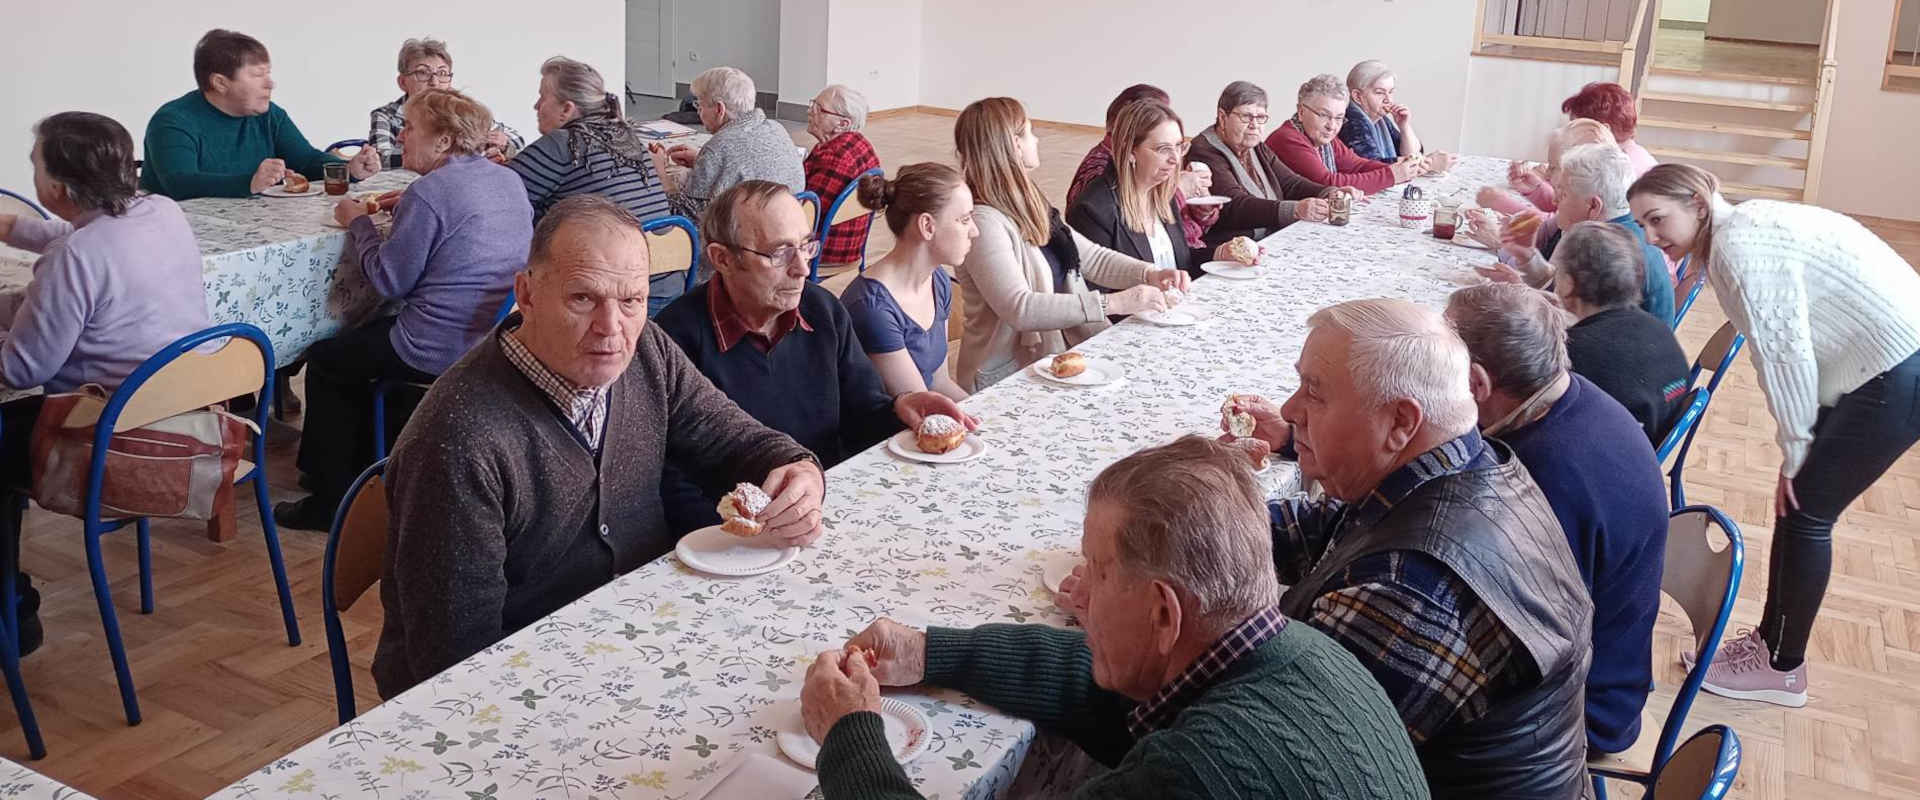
point(651, 685)
point(19, 782)
point(275, 262)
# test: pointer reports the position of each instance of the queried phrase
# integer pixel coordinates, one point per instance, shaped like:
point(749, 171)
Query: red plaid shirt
point(832, 165)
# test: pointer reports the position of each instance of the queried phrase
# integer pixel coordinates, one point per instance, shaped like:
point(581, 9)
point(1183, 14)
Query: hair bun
point(876, 192)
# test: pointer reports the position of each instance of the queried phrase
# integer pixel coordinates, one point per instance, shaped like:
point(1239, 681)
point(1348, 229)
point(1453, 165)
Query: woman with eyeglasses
point(1263, 195)
point(426, 64)
point(1310, 144)
point(841, 153)
point(1131, 206)
point(1022, 281)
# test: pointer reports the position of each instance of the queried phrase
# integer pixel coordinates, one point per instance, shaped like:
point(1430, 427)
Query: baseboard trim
point(940, 111)
point(1683, 25)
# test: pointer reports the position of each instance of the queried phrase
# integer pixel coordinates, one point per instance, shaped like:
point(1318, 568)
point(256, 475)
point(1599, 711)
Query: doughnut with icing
point(940, 433)
point(739, 509)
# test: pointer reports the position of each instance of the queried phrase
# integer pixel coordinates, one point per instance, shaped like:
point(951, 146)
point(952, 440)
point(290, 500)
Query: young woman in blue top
point(900, 305)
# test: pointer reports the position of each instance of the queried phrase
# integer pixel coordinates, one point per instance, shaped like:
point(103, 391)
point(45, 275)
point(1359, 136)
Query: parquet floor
point(223, 694)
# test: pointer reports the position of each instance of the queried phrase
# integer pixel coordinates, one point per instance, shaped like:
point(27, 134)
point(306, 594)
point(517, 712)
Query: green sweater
point(1296, 718)
point(195, 150)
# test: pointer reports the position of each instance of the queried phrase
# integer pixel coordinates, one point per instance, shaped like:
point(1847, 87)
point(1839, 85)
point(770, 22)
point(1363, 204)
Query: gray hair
point(1323, 86)
point(1602, 263)
point(577, 209)
point(581, 85)
point(1517, 334)
point(1367, 73)
point(1406, 351)
point(1240, 93)
point(728, 86)
point(415, 49)
point(1194, 517)
point(1598, 170)
point(848, 102)
point(720, 223)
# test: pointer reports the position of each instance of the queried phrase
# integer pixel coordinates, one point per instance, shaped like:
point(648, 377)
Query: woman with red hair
point(1611, 105)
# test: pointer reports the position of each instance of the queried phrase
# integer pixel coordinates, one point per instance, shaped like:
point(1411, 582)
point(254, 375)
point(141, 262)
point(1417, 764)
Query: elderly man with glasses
point(425, 64)
point(1263, 194)
point(780, 346)
point(745, 146)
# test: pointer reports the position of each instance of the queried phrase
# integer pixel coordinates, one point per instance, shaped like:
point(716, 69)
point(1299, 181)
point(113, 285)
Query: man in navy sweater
point(1599, 474)
point(778, 345)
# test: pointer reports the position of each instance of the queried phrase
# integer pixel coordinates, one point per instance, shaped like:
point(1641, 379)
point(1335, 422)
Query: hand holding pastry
point(741, 508)
point(682, 155)
point(1169, 279)
point(836, 685)
point(899, 652)
point(939, 433)
point(267, 174)
point(1250, 416)
point(348, 209)
point(913, 408)
point(794, 515)
point(1139, 299)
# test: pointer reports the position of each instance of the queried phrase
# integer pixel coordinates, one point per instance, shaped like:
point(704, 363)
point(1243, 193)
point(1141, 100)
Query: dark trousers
point(336, 438)
point(1855, 441)
point(16, 476)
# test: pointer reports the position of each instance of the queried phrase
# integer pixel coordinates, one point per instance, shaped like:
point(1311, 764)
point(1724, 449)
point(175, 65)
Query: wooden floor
point(1691, 51)
point(223, 694)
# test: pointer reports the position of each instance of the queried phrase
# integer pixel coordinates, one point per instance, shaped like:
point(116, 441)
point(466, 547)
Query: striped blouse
point(550, 173)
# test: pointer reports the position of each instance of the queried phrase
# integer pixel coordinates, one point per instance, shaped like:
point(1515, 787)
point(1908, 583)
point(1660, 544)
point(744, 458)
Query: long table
point(275, 262)
point(19, 782)
point(655, 683)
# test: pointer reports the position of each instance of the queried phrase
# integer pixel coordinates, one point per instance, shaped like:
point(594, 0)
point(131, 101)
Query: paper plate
point(906, 445)
point(717, 552)
point(280, 190)
point(1209, 200)
point(1098, 373)
point(1183, 314)
point(907, 732)
point(1231, 269)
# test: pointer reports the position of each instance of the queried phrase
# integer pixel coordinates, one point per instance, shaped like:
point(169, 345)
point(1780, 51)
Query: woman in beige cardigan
point(1025, 296)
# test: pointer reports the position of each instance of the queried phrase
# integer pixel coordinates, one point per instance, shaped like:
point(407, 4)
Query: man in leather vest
point(1433, 557)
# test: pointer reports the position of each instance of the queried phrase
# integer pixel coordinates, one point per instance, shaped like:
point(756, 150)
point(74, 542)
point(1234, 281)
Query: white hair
point(1406, 351)
point(1323, 86)
point(849, 102)
point(1367, 73)
point(728, 86)
point(1598, 170)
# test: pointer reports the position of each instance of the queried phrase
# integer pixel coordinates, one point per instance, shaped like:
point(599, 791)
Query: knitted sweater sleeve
point(1109, 267)
point(1764, 295)
point(1036, 673)
point(994, 267)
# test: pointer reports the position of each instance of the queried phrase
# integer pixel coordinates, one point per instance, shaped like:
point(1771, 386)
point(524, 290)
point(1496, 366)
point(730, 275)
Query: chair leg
point(101, 594)
point(379, 420)
point(16, 511)
point(17, 687)
point(146, 567)
point(1599, 788)
point(273, 553)
point(337, 654)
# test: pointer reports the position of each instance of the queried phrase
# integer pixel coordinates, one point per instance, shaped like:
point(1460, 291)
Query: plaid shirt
point(832, 165)
point(1160, 709)
point(388, 119)
point(1436, 648)
point(585, 407)
point(1099, 159)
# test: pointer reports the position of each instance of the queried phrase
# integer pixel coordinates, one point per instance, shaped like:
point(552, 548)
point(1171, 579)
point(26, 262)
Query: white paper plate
point(906, 445)
point(717, 552)
point(1057, 567)
point(1099, 373)
point(1183, 314)
point(1209, 200)
point(280, 190)
point(1231, 269)
point(907, 732)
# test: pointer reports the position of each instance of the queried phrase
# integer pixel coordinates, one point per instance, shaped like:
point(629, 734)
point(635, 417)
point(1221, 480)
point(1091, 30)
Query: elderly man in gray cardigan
point(745, 146)
point(530, 475)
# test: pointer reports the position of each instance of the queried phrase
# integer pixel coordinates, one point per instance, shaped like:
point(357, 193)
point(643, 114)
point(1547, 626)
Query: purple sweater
point(106, 293)
point(459, 235)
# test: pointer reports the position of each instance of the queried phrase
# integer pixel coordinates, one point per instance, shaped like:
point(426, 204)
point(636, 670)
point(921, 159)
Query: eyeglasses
point(1250, 120)
point(1175, 150)
point(1321, 114)
point(423, 74)
point(815, 106)
point(785, 254)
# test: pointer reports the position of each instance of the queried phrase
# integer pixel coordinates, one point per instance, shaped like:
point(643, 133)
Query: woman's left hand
point(347, 209)
point(1169, 279)
point(1783, 498)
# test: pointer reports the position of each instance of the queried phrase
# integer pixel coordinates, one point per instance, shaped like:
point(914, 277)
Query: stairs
point(1752, 130)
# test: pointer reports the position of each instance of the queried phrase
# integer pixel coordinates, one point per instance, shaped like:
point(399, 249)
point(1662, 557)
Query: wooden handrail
point(1822, 104)
point(1629, 68)
point(1554, 42)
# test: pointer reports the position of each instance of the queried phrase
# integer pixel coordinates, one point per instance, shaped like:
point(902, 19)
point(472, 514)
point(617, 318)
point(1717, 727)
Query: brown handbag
point(181, 466)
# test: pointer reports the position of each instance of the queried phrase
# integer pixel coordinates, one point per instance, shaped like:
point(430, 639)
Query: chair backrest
point(1687, 284)
point(18, 204)
point(344, 143)
point(1704, 582)
point(1717, 355)
point(357, 547)
point(180, 378)
point(1692, 406)
point(845, 208)
point(673, 244)
point(810, 203)
point(1702, 769)
point(506, 309)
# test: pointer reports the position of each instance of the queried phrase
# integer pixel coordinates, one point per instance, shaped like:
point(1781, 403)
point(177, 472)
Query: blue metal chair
point(1702, 769)
point(1719, 352)
point(16, 508)
point(1691, 407)
point(362, 520)
point(1689, 285)
point(667, 248)
point(846, 207)
point(810, 203)
point(386, 386)
point(11, 203)
point(344, 143)
point(1704, 582)
point(178, 379)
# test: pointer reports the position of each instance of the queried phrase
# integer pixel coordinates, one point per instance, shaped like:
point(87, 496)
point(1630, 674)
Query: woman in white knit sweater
point(1025, 297)
point(1832, 317)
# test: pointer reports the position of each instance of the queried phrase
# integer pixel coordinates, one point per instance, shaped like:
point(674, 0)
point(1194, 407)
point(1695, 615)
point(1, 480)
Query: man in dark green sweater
point(227, 138)
point(1188, 682)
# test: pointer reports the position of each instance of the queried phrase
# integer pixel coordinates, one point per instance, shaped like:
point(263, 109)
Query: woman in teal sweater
point(227, 138)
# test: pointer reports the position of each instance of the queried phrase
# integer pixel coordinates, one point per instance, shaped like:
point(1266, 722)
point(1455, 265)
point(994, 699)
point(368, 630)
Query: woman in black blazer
point(1130, 207)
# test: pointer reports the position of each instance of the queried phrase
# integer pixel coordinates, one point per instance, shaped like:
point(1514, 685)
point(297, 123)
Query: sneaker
point(310, 513)
point(1744, 671)
point(1747, 639)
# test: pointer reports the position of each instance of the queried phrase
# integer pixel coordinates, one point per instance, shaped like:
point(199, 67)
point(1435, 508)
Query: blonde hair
point(1141, 206)
point(1684, 183)
point(450, 113)
point(983, 137)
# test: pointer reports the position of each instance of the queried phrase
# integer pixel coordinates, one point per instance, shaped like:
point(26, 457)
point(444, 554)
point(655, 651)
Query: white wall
point(1869, 167)
point(726, 33)
point(803, 49)
point(874, 46)
point(1065, 59)
point(1513, 105)
point(124, 58)
point(1685, 10)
